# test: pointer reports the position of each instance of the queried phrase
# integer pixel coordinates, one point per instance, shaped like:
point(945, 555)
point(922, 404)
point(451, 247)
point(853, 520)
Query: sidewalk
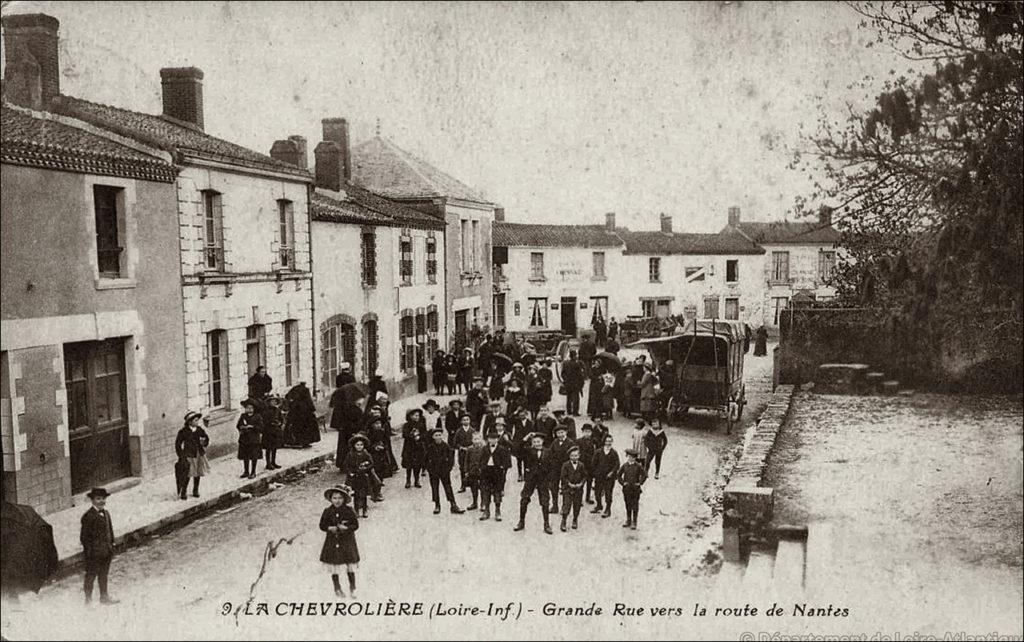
point(152, 505)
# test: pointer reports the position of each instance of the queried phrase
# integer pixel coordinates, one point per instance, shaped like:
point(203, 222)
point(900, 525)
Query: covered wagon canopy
point(735, 331)
point(697, 342)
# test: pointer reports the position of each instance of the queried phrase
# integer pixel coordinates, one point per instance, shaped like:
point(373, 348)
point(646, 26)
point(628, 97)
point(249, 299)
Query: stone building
point(92, 367)
point(386, 170)
point(799, 259)
point(379, 273)
point(556, 277)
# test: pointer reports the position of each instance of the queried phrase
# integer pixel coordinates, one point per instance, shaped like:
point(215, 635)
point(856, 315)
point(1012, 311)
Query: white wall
point(803, 274)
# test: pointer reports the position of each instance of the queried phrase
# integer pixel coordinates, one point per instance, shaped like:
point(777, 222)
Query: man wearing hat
point(538, 464)
point(439, 461)
point(453, 419)
point(604, 468)
point(632, 477)
point(431, 416)
point(573, 477)
point(565, 420)
point(493, 412)
point(97, 537)
point(496, 461)
point(560, 446)
point(358, 469)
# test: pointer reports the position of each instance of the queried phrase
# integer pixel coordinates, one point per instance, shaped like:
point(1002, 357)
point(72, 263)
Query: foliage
point(926, 184)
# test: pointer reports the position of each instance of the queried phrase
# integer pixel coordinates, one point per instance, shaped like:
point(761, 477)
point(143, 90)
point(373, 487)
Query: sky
point(559, 112)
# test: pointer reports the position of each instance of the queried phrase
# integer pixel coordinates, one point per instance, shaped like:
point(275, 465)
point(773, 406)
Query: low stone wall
point(747, 504)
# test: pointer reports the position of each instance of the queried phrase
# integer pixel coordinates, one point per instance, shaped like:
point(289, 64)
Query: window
point(291, 352)
point(421, 327)
point(213, 231)
point(286, 234)
point(826, 265)
point(255, 348)
point(431, 260)
point(465, 245)
point(654, 269)
point(538, 313)
point(337, 346)
point(660, 308)
point(694, 274)
point(536, 266)
point(217, 368)
point(598, 265)
point(732, 271)
point(647, 309)
point(476, 246)
point(432, 329)
point(108, 236)
point(369, 258)
point(405, 263)
point(732, 309)
point(711, 308)
point(778, 305)
point(407, 342)
point(371, 358)
point(598, 308)
point(780, 267)
point(499, 310)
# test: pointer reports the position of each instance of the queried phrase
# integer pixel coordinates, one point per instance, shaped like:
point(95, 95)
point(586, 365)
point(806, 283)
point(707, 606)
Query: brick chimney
point(183, 94)
point(33, 36)
point(22, 79)
point(291, 150)
point(499, 214)
point(666, 223)
point(734, 215)
point(336, 131)
point(329, 166)
point(825, 215)
point(609, 221)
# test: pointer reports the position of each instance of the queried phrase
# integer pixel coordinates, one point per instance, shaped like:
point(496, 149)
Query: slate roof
point(530, 235)
point(363, 208)
point(171, 135)
point(384, 168)
point(38, 142)
point(783, 232)
point(688, 243)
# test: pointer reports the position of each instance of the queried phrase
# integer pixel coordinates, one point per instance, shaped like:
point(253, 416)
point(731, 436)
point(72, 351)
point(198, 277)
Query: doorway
point(568, 309)
point(97, 402)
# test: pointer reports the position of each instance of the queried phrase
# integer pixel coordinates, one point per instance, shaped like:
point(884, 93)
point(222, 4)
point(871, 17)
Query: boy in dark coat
point(340, 523)
point(605, 468)
point(439, 461)
point(487, 420)
point(632, 477)
point(453, 419)
point(522, 428)
point(438, 372)
point(413, 455)
point(474, 463)
point(573, 477)
point(476, 401)
point(97, 538)
point(599, 432)
point(586, 446)
point(568, 422)
point(545, 424)
point(538, 464)
point(656, 441)
point(250, 436)
point(560, 447)
point(496, 462)
point(463, 441)
point(358, 466)
point(273, 430)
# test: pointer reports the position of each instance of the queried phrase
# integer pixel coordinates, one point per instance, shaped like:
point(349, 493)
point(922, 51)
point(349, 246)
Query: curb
point(71, 564)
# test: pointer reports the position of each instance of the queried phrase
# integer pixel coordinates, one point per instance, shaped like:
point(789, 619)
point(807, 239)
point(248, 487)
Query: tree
point(926, 185)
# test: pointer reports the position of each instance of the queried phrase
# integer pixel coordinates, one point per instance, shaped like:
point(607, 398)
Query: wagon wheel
point(676, 410)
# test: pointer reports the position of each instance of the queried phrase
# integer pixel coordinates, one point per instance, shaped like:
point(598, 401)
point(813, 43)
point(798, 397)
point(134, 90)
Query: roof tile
point(688, 243)
point(534, 235)
point(782, 232)
point(382, 167)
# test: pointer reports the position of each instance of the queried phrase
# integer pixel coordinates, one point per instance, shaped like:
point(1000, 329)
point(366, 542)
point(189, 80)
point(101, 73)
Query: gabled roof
point(171, 135)
point(662, 243)
point(783, 232)
point(34, 141)
point(360, 207)
point(530, 235)
point(384, 168)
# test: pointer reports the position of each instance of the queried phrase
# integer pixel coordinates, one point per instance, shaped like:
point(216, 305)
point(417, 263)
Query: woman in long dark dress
point(595, 398)
point(380, 448)
point(760, 341)
point(437, 365)
point(301, 425)
point(339, 523)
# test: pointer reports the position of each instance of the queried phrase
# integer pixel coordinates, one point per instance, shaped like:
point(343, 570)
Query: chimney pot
point(36, 34)
point(23, 80)
point(499, 214)
point(609, 221)
point(734, 215)
point(329, 170)
point(335, 130)
point(183, 94)
point(666, 223)
point(825, 215)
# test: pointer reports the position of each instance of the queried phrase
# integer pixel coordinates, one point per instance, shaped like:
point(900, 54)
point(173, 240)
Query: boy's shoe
point(193, 494)
point(597, 509)
point(365, 514)
point(437, 508)
point(456, 510)
point(575, 524)
point(520, 526)
point(417, 485)
point(462, 490)
point(657, 476)
point(607, 513)
point(590, 501)
point(497, 514)
point(244, 476)
point(633, 526)
point(472, 506)
point(485, 515)
point(627, 524)
point(340, 593)
point(108, 600)
point(547, 529)
point(408, 485)
point(377, 498)
point(563, 527)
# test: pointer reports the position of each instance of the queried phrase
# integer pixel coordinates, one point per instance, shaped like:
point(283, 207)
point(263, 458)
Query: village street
point(178, 585)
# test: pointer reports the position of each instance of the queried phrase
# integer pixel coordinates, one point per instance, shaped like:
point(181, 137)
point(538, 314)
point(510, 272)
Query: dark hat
point(572, 448)
point(639, 422)
point(455, 401)
point(189, 416)
point(97, 492)
point(429, 403)
point(409, 413)
point(358, 437)
point(534, 435)
point(494, 402)
point(436, 429)
point(493, 434)
point(586, 427)
point(632, 451)
point(344, 490)
point(558, 411)
point(562, 427)
point(248, 402)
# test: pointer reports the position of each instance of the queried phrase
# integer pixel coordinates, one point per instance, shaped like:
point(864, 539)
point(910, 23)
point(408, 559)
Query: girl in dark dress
point(301, 427)
point(340, 524)
point(250, 435)
point(358, 466)
point(190, 445)
point(273, 431)
point(451, 374)
point(413, 455)
point(379, 448)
